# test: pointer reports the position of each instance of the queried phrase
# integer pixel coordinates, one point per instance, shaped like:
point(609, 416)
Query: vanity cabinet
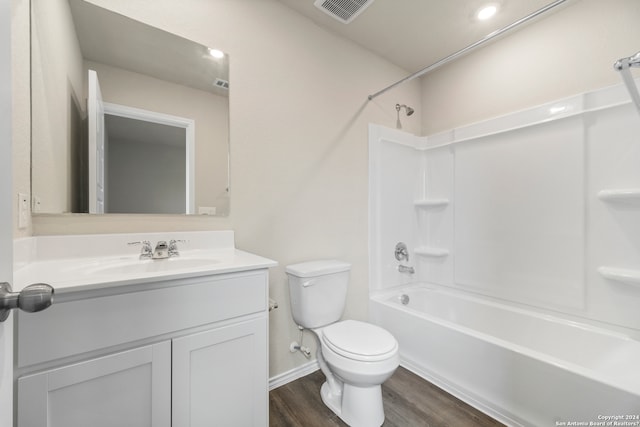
point(184, 352)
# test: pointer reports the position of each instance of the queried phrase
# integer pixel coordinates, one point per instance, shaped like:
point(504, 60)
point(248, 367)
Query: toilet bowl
point(361, 356)
point(359, 352)
point(356, 357)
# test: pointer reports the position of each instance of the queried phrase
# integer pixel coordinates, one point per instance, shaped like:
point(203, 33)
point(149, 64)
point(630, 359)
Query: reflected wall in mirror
point(158, 90)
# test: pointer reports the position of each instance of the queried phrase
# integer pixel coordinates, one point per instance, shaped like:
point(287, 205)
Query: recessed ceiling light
point(487, 11)
point(216, 53)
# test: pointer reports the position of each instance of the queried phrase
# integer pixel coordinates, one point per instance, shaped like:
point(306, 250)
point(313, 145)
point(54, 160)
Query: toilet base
point(357, 406)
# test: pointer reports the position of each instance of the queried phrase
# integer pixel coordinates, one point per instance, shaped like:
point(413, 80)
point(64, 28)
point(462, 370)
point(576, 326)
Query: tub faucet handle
point(402, 253)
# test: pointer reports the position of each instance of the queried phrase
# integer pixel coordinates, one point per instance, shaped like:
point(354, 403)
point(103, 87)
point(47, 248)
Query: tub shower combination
point(522, 367)
point(525, 243)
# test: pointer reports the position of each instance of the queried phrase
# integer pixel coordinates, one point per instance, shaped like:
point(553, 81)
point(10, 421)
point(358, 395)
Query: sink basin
point(137, 266)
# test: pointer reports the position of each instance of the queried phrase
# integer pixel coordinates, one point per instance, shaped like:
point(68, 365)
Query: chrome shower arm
point(470, 48)
point(624, 63)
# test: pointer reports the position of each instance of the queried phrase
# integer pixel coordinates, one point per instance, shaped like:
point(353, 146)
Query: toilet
point(355, 357)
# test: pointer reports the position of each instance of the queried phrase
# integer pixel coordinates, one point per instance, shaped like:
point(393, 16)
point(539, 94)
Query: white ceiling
point(414, 34)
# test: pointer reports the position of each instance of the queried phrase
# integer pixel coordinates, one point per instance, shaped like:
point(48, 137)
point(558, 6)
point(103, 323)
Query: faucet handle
point(145, 251)
point(401, 252)
point(173, 247)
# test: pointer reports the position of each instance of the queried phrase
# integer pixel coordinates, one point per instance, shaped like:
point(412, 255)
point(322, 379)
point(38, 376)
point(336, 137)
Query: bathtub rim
point(619, 331)
point(386, 296)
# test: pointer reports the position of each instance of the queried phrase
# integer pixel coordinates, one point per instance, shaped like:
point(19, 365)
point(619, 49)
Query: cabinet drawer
point(80, 326)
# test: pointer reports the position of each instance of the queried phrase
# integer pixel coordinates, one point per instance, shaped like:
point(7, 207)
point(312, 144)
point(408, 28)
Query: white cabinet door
point(220, 377)
point(132, 388)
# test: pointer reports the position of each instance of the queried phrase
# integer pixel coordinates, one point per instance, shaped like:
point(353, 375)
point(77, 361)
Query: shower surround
point(537, 213)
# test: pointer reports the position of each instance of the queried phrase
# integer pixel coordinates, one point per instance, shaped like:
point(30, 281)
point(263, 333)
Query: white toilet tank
point(318, 291)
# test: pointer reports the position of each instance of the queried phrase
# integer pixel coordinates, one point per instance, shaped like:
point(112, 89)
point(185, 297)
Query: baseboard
point(292, 375)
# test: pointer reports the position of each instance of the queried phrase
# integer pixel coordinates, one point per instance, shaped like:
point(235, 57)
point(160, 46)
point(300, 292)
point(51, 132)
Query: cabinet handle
point(33, 298)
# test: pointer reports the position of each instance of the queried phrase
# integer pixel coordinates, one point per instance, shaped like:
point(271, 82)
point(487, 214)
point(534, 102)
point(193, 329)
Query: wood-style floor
point(408, 401)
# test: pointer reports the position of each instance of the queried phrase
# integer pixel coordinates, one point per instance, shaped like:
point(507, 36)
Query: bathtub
point(519, 366)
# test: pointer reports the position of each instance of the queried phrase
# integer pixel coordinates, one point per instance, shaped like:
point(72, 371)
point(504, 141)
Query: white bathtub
point(519, 366)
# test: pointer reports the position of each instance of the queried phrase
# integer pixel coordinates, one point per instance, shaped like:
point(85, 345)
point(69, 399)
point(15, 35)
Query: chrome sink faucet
point(161, 251)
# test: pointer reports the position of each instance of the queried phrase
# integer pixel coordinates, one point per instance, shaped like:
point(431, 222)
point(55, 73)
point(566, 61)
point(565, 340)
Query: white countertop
point(89, 262)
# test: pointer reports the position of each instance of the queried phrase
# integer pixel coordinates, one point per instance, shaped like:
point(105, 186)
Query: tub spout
point(406, 269)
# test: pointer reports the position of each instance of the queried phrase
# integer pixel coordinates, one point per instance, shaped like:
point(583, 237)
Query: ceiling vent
point(344, 11)
point(224, 84)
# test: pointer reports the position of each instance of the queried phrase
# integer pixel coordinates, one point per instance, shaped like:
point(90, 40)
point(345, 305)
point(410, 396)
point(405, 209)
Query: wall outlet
point(23, 210)
point(206, 210)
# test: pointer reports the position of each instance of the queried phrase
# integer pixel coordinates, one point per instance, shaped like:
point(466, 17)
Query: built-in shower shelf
point(630, 277)
point(628, 195)
point(430, 203)
point(431, 252)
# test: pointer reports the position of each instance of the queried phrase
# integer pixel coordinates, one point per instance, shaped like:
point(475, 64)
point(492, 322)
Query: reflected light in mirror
point(218, 54)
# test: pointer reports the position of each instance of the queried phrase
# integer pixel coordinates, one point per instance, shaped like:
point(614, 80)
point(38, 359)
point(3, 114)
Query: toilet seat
point(359, 341)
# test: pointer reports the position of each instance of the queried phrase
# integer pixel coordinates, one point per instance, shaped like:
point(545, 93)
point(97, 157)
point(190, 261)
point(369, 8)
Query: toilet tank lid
point(317, 268)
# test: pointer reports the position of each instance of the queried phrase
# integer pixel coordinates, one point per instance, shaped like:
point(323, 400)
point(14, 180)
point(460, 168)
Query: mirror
point(156, 142)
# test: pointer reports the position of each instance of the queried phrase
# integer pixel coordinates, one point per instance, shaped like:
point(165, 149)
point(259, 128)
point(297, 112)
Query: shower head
point(409, 110)
point(632, 61)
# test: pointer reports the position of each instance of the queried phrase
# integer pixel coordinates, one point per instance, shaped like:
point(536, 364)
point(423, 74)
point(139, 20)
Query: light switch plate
point(23, 210)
